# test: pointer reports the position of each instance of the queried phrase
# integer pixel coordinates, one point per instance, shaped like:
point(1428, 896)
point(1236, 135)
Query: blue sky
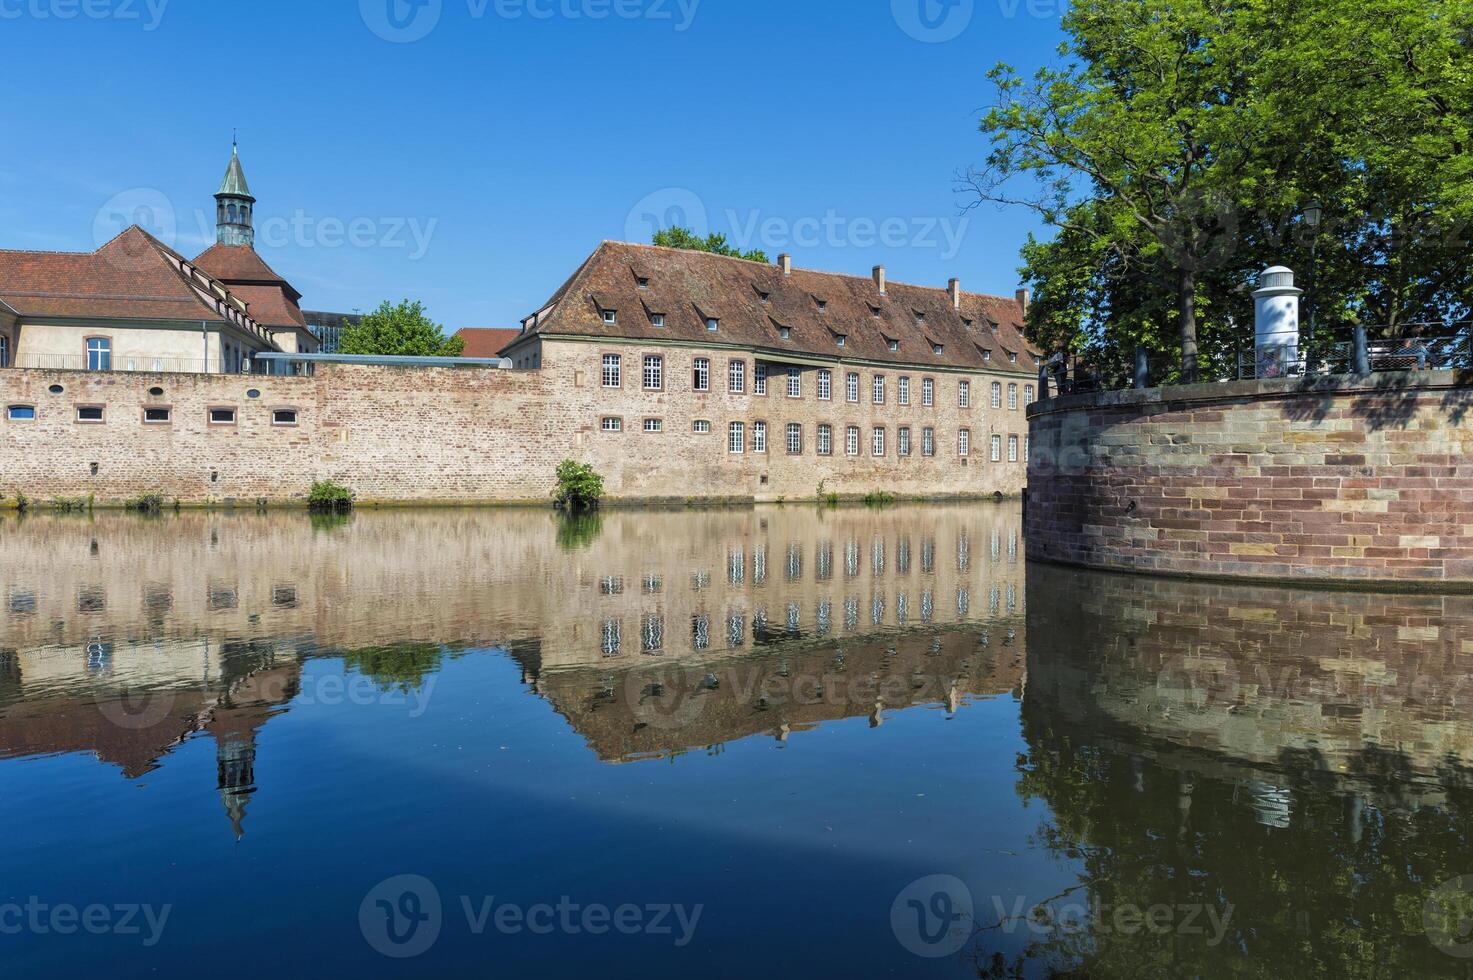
point(476, 166)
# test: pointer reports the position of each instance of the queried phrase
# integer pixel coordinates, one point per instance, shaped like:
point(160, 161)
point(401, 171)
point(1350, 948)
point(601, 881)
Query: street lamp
point(1314, 214)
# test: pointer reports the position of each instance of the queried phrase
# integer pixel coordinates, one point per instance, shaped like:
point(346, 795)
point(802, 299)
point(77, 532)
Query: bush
point(148, 503)
point(578, 487)
point(328, 496)
point(879, 498)
point(72, 505)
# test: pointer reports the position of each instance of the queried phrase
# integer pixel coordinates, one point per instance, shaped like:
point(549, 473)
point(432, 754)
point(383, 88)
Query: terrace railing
point(129, 365)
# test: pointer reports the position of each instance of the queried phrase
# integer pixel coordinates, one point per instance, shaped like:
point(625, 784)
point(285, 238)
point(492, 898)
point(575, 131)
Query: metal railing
point(130, 365)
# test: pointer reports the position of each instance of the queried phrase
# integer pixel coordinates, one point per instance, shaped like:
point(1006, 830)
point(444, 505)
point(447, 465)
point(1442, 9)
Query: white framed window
point(284, 416)
point(902, 441)
point(613, 371)
point(877, 441)
point(99, 354)
point(611, 317)
point(21, 413)
point(928, 392)
point(1012, 398)
point(877, 389)
point(1027, 394)
point(795, 439)
point(1013, 356)
point(851, 387)
point(736, 438)
point(654, 425)
point(851, 441)
point(795, 383)
point(928, 441)
point(964, 442)
point(701, 375)
point(997, 394)
point(825, 385)
point(736, 377)
point(841, 339)
point(654, 372)
point(611, 423)
point(902, 390)
point(642, 282)
point(657, 320)
point(997, 449)
point(759, 379)
point(222, 416)
point(1012, 449)
point(759, 437)
point(712, 324)
point(894, 345)
point(964, 394)
point(938, 349)
point(701, 427)
point(825, 440)
point(785, 333)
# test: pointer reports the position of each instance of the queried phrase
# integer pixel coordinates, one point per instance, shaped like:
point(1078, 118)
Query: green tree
point(401, 330)
point(690, 241)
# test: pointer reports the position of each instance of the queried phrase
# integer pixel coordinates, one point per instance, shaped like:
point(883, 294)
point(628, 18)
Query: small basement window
point(21, 413)
point(284, 416)
point(222, 416)
point(89, 413)
point(156, 415)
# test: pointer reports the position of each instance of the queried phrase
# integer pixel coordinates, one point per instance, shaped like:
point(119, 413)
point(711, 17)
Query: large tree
point(401, 330)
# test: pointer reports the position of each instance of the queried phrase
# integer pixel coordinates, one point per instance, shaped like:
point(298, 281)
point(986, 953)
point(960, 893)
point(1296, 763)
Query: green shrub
point(578, 487)
point(148, 503)
point(72, 505)
point(329, 496)
point(22, 503)
point(825, 496)
point(878, 498)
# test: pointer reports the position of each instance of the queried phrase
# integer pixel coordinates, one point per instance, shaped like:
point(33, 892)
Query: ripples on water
point(782, 717)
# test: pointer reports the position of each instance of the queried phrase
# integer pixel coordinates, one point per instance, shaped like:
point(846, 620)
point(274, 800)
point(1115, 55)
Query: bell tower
point(234, 205)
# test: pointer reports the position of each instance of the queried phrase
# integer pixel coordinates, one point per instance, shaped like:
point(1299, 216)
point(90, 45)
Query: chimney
point(785, 262)
point(880, 278)
point(955, 289)
point(1024, 297)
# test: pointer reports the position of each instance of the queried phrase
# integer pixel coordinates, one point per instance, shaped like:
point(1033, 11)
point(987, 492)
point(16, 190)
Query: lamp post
point(1314, 214)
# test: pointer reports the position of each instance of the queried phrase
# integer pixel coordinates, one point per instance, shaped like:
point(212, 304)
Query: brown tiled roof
point(134, 276)
point(486, 341)
point(753, 301)
point(273, 301)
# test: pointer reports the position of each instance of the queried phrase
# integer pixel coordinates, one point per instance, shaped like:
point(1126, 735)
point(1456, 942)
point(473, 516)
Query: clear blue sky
point(478, 165)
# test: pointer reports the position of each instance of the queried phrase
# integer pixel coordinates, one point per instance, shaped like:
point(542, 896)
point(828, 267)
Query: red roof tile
point(273, 301)
point(486, 341)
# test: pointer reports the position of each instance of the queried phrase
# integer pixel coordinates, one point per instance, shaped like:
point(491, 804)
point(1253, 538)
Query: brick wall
point(396, 434)
point(1345, 479)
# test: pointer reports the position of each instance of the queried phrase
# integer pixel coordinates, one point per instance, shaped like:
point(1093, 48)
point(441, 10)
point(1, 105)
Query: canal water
point(839, 743)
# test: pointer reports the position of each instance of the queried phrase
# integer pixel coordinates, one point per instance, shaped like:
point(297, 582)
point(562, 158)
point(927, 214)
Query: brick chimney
point(880, 278)
point(955, 289)
point(785, 262)
point(1024, 298)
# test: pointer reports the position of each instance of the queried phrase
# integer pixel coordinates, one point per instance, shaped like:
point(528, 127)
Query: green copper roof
point(234, 183)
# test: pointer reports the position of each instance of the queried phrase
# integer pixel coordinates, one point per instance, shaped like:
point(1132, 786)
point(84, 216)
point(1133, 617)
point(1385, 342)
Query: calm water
point(861, 743)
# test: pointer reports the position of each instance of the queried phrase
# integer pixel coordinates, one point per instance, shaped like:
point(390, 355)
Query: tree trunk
point(1187, 304)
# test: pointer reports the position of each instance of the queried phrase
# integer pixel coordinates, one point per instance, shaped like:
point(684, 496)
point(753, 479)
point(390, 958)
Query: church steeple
point(233, 206)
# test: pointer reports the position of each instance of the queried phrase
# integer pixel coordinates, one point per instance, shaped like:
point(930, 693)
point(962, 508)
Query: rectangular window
point(877, 389)
point(99, 354)
point(902, 441)
point(713, 324)
point(222, 416)
point(997, 449)
point(1027, 394)
point(928, 392)
point(657, 320)
point(89, 413)
point(613, 373)
point(1012, 398)
point(759, 379)
point(701, 427)
point(928, 441)
point(795, 383)
point(825, 440)
point(736, 438)
point(851, 440)
point(825, 385)
point(4, 351)
point(654, 425)
point(1012, 449)
point(795, 439)
point(610, 317)
point(851, 387)
point(654, 372)
point(759, 437)
point(964, 442)
point(964, 394)
point(736, 377)
point(997, 394)
point(612, 424)
point(902, 390)
point(877, 442)
point(702, 374)
point(284, 416)
point(21, 413)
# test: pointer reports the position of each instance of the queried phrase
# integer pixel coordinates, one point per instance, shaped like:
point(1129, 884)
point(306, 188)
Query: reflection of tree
point(400, 666)
point(576, 532)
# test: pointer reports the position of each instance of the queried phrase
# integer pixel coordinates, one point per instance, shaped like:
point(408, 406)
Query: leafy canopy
point(685, 238)
point(401, 330)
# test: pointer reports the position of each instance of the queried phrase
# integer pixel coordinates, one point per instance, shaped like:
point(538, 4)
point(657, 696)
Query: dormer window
point(841, 339)
point(657, 319)
point(1013, 356)
point(968, 323)
point(764, 297)
point(987, 355)
point(920, 318)
point(712, 324)
point(937, 349)
point(611, 317)
point(643, 282)
point(875, 311)
point(892, 343)
point(823, 304)
point(785, 333)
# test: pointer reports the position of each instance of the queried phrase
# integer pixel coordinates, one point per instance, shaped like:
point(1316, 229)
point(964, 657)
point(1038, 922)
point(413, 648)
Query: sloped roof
point(753, 301)
point(134, 276)
point(234, 182)
point(273, 300)
point(486, 341)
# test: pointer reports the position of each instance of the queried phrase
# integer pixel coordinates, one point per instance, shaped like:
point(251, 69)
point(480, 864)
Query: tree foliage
point(1178, 147)
point(401, 330)
point(579, 487)
point(685, 238)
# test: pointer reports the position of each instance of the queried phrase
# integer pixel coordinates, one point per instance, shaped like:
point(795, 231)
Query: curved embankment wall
point(1365, 480)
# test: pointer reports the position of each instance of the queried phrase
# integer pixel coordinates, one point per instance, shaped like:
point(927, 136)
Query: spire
point(234, 204)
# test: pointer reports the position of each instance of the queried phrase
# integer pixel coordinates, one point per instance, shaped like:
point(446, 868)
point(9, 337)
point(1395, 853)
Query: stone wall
point(478, 435)
point(1365, 480)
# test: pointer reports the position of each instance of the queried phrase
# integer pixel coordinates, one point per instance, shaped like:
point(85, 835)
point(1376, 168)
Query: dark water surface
point(843, 744)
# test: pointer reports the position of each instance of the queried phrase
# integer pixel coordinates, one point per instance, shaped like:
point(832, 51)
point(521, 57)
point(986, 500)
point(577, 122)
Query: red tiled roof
point(486, 341)
point(753, 301)
point(134, 276)
point(273, 301)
